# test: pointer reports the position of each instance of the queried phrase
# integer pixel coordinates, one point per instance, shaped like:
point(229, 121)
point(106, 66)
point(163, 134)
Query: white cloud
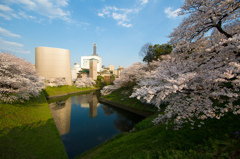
point(24, 15)
point(48, 8)
point(5, 32)
point(12, 47)
point(123, 16)
point(100, 14)
point(5, 16)
point(125, 24)
point(119, 14)
point(170, 13)
point(7, 44)
point(143, 2)
point(5, 8)
point(6, 12)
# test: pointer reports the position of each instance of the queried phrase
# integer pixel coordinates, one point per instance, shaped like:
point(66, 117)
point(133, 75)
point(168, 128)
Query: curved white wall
point(53, 63)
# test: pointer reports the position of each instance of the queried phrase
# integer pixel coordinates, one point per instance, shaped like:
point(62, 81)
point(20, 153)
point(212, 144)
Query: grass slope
point(62, 90)
point(27, 130)
point(122, 96)
point(216, 139)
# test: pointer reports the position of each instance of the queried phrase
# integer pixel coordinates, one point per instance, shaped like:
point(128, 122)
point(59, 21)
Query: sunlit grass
point(27, 130)
point(63, 90)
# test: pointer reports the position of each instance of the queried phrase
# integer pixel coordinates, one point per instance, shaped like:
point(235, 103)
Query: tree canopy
point(18, 79)
point(205, 15)
point(153, 52)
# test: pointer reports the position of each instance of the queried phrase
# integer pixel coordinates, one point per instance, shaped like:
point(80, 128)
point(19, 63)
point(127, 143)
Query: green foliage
point(100, 78)
point(112, 78)
point(146, 123)
point(100, 82)
point(154, 52)
point(27, 130)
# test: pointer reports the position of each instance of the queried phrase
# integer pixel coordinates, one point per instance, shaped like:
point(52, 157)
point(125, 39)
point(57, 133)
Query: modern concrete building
point(53, 63)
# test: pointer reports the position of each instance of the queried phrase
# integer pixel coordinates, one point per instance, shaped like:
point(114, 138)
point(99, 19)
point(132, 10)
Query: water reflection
point(61, 113)
point(83, 122)
point(87, 101)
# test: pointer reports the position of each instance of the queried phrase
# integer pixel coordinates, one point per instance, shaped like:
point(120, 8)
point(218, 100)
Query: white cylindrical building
point(53, 63)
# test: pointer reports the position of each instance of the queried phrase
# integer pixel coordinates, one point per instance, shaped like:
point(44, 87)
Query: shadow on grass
point(45, 93)
point(37, 140)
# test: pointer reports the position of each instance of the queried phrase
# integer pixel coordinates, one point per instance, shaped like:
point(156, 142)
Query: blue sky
point(119, 27)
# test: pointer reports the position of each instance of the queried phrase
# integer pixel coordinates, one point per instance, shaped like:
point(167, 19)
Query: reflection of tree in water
point(122, 123)
point(57, 105)
point(107, 110)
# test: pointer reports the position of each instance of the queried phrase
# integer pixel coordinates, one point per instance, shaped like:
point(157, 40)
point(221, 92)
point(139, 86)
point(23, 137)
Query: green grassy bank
point(216, 139)
point(63, 90)
point(121, 96)
point(27, 130)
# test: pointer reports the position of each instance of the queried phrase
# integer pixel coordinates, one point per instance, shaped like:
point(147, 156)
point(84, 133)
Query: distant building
point(119, 71)
point(75, 70)
point(53, 63)
point(111, 71)
point(85, 59)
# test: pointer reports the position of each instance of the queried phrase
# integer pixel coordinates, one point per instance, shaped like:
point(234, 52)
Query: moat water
point(84, 123)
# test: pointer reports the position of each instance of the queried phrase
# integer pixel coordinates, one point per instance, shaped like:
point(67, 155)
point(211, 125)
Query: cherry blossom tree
point(203, 16)
point(129, 77)
point(200, 79)
point(18, 79)
point(55, 82)
point(202, 84)
point(85, 82)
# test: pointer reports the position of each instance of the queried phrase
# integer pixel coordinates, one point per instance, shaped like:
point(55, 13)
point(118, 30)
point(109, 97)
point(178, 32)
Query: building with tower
point(86, 59)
